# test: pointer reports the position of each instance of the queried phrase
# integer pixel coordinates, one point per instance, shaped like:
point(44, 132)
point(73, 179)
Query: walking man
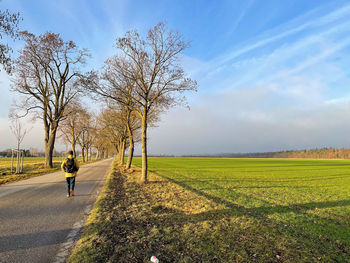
point(71, 167)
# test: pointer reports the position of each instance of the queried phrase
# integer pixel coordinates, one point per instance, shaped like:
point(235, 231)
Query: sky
point(272, 75)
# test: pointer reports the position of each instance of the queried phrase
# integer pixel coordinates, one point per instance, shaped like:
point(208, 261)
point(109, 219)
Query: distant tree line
point(321, 153)
point(31, 152)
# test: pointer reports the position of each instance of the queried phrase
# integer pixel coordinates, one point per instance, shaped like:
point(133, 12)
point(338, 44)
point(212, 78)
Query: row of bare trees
point(77, 128)
point(142, 80)
point(106, 132)
point(121, 128)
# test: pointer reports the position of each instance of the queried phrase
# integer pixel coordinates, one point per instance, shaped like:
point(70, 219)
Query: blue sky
point(272, 75)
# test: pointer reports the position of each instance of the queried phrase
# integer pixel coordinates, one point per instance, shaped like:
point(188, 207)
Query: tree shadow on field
point(159, 182)
point(327, 223)
point(256, 187)
point(290, 179)
point(312, 165)
point(258, 210)
point(296, 222)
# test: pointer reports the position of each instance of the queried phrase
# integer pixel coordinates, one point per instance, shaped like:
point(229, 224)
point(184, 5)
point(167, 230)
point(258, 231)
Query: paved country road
point(38, 223)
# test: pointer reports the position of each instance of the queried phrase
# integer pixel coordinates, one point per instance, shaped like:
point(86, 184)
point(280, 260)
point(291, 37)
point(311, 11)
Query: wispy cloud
point(295, 26)
point(239, 18)
point(280, 59)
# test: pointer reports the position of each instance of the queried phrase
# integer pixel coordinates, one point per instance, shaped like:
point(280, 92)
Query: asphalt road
point(38, 223)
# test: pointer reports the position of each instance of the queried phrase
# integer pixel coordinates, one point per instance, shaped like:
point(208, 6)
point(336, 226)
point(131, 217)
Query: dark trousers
point(70, 183)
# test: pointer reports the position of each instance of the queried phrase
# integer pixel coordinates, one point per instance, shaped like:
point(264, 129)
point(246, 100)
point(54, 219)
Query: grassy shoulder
point(99, 218)
point(132, 222)
point(33, 166)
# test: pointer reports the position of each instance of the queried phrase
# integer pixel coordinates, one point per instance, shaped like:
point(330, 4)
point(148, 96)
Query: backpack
point(70, 166)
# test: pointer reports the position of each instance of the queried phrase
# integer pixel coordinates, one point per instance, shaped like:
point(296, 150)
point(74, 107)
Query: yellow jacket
point(63, 165)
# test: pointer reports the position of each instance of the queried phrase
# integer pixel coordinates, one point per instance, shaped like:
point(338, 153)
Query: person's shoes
point(71, 192)
point(68, 195)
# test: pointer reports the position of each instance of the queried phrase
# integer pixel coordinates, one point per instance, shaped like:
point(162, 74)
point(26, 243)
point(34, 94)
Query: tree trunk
point(73, 143)
point(131, 152)
point(144, 147)
point(48, 159)
point(49, 146)
point(83, 153)
point(131, 145)
point(122, 152)
point(73, 148)
point(117, 150)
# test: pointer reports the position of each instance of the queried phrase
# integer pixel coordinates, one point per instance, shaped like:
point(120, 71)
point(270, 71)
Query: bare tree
point(45, 74)
point(104, 138)
point(114, 127)
point(19, 132)
point(9, 27)
point(126, 119)
point(133, 126)
point(72, 126)
point(90, 138)
point(84, 130)
point(146, 73)
point(82, 141)
point(111, 79)
point(100, 141)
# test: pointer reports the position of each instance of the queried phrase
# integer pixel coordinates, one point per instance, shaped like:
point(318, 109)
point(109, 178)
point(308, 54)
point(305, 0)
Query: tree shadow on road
point(34, 240)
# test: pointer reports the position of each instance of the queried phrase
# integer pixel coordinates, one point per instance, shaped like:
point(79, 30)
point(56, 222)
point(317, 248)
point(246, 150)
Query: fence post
point(18, 162)
point(22, 161)
point(12, 162)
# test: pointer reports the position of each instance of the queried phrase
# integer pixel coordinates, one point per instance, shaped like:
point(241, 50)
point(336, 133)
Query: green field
point(288, 210)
